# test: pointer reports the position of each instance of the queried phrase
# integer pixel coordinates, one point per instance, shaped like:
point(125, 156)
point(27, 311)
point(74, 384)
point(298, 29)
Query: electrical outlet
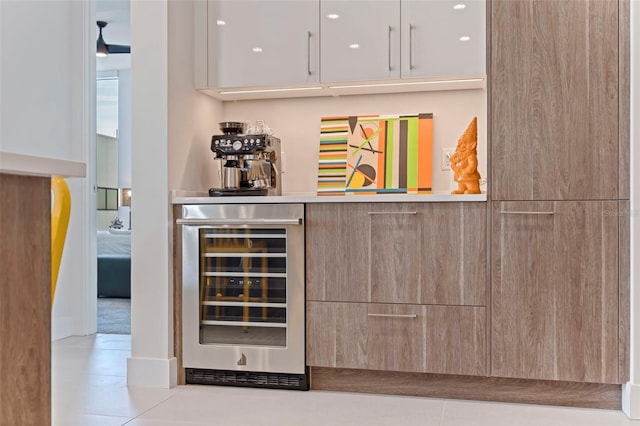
point(445, 164)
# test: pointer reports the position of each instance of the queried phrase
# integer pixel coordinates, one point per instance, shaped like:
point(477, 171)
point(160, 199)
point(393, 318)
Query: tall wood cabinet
point(397, 286)
point(554, 99)
point(555, 153)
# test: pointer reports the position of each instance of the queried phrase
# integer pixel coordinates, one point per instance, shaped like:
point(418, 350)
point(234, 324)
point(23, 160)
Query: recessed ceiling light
point(464, 38)
point(257, 49)
point(333, 16)
point(354, 46)
point(459, 6)
point(220, 22)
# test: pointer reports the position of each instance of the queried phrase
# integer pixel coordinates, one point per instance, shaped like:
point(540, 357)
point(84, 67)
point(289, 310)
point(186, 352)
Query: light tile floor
point(89, 389)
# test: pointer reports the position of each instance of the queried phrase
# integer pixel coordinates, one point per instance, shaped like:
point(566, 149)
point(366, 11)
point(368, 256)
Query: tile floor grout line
point(155, 406)
point(444, 404)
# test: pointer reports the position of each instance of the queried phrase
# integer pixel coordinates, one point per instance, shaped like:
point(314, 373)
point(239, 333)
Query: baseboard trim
point(152, 372)
point(631, 400)
point(61, 327)
point(543, 392)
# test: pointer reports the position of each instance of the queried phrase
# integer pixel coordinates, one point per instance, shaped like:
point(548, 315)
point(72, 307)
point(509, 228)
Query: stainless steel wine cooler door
point(243, 287)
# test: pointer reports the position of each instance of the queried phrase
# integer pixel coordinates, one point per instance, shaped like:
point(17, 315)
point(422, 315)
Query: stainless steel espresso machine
point(250, 162)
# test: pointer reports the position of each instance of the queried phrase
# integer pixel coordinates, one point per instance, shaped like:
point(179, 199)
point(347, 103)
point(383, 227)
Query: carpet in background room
point(114, 316)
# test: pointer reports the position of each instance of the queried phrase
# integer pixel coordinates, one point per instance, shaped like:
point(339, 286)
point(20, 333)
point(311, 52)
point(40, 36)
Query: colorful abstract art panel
point(375, 154)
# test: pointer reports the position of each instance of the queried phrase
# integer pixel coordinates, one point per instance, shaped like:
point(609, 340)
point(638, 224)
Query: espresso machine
point(250, 162)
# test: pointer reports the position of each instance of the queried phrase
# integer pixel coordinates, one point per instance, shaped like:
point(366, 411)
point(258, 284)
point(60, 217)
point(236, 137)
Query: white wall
point(297, 123)
point(124, 129)
point(170, 127)
point(44, 111)
point(36, 82)
point(193, 117)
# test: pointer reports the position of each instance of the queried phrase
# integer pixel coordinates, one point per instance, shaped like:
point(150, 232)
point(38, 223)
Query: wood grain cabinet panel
point(555, 290)
point(554, 99)
point(395, 233)
point(396, 337)
point(420, 253)
point(337, 247)
point(453, 254)
point(25, 300)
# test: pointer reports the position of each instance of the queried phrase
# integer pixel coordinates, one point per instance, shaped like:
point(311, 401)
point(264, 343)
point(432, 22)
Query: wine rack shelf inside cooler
point(243, 286)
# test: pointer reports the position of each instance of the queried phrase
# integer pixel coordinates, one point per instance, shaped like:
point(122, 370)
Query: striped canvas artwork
point(374, 154)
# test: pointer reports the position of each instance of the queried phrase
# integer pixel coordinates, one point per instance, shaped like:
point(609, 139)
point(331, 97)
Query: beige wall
point(297, 123)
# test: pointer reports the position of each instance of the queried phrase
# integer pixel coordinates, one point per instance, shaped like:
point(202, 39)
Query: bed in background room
point(114, 263)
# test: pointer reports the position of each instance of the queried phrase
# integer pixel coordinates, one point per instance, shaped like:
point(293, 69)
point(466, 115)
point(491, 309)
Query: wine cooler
point(243, 295)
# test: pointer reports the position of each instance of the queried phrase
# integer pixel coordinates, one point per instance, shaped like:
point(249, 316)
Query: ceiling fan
point(104, 49)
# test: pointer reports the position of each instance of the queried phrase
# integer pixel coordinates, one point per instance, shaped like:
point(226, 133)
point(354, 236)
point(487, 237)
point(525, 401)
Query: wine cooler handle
point(198, 221)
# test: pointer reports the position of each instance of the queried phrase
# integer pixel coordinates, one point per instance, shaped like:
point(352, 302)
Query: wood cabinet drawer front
point(395, 235)
point(418, 253)
point(453, 254)
point(417, 338)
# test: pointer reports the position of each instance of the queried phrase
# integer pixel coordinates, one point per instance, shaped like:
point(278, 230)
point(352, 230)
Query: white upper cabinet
point(360, 40)
point(283, 48)
point(442, 38)
point(392, 39)
point(263, 42)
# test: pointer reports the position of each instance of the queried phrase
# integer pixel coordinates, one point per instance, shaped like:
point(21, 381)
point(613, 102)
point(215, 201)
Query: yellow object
point(464, 162)
point(59, 225)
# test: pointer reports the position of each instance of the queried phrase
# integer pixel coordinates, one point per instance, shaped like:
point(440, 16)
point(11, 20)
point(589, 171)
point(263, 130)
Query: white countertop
point(20, 164)
point(192, 197)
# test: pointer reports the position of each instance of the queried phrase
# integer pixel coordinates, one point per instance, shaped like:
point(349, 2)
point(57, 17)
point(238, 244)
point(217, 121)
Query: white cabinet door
point(360, 39)
point(442, 38)
point(263, 42)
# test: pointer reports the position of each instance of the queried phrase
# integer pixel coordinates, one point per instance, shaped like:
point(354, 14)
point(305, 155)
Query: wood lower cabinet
point(555, 291)
point(420, 253)
point(25, 300)
point(397, 337)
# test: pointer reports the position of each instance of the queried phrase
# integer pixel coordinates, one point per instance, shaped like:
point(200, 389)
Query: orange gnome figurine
point(464, 162)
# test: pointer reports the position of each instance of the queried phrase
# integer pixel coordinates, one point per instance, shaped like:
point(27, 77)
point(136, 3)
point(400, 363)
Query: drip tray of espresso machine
point(220, 192)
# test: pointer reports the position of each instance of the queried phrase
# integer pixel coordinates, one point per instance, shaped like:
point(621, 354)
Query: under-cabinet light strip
point(353, 86)
point(290, 89)
point(408, 83)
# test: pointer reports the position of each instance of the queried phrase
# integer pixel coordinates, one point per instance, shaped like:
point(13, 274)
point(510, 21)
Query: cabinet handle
point(390, 213)
point(308, 52)
point(393, 315)
point(529, 213)
point(389, 47)
point(410, 46)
